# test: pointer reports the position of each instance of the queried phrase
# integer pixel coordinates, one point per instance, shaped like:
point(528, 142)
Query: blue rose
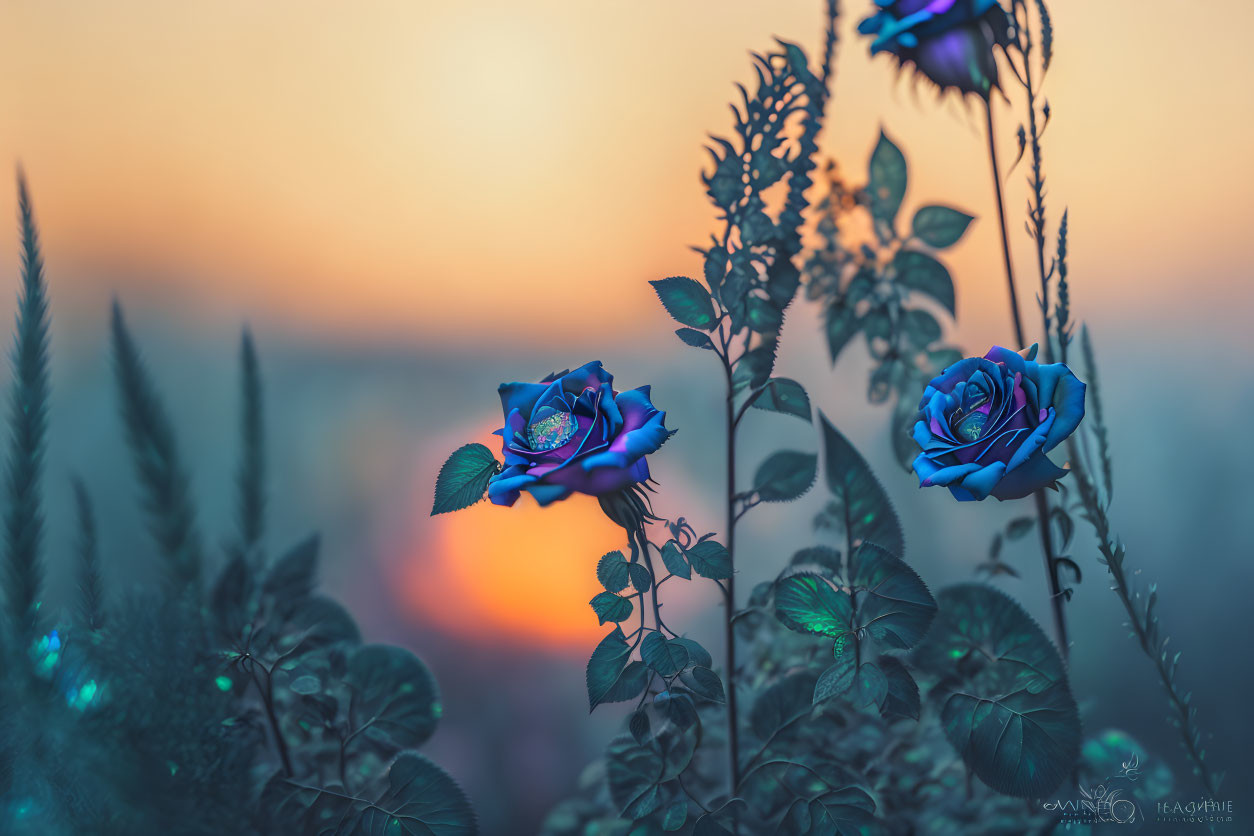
point(986, 423)
point(572, 433)
point(951, 42)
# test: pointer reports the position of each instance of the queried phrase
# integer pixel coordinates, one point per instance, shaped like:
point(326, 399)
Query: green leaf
point(706, 683)
point(715, 267)
point(312, 623)
point(783, 703)
point(922, 273)
point(695, 338)
point(613, 571)
point(675, 816)
point(666, 657)
point(677, 706)
point(842, 325)
point(605, 667)
point(674, 560)
point(753, 368)
point(808, 603)
point(1005, 704)
point(629, 684)
point(394, 694)
point(633, 772)
point(763, 317)
point(939, 226)
point(887, 184)
point(697, 654)
point(463, 479)
point(305, 685)
point(421, 799)
point(846, 812)
point(710, 560)
point(785, 475)
point(785, 396)
point(610, 607)
point(686, 301)
point(870, 687)
point(921, 327)
point(838, 678)
point(1020, 527)
point(824, 556)
point(862, 685)
point(639, 725)
point(295, 574)
point(867, 512)
point(903, 693)
point(641, 580)
point(893, 604)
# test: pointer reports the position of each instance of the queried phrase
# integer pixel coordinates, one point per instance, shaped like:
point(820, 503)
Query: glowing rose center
point(550, 429)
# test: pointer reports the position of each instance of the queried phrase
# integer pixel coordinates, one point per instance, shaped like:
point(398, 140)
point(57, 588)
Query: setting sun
point(523, 574)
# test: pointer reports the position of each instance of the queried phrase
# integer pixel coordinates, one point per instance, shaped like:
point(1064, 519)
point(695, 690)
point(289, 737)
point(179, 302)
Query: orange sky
point(456, 168)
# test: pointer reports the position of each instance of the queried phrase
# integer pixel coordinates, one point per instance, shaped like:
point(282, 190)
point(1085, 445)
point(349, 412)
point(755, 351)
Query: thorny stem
point(1057, 600)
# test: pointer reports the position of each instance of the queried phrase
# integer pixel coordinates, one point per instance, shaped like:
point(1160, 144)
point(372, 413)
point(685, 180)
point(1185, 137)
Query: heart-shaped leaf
point(394, 696)
point(610, 607)
point(1005, 703)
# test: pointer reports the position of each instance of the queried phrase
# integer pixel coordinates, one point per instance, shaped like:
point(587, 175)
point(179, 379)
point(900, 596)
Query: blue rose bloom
point(986, 423)
point(951, 42)
point(572, 433)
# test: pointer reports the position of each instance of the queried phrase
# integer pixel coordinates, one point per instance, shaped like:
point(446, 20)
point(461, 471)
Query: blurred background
point(411, 202)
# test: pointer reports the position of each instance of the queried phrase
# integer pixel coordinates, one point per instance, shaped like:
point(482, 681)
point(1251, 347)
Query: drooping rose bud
point(951, 42)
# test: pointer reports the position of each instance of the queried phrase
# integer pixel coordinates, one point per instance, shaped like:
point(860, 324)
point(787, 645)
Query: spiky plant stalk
point(90, 584)
point(251, 475)
point(28, 420)
point(164, 485)
point(1141, 609)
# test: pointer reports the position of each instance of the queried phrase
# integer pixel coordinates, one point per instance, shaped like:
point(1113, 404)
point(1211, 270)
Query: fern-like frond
point(90, 583)
point(28, 422)
point(251, 475)
point(164, 484)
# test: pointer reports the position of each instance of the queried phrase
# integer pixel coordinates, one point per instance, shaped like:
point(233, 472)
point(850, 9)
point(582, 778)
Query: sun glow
point(513, 575)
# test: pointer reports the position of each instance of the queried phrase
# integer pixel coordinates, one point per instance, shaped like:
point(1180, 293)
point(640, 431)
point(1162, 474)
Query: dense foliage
point(238, 701)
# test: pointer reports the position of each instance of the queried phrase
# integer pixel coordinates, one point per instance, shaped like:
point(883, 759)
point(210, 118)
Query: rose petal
point(546, 494)
point(982, 482)
point(1061, 389)
point(503, 488)
point(520, 396)
point(1037, 472)
point(945, 476)
point(632, 444)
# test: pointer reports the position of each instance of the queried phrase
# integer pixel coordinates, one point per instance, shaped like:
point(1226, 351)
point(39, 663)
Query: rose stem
point(1042, 503)
point(733, 732)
